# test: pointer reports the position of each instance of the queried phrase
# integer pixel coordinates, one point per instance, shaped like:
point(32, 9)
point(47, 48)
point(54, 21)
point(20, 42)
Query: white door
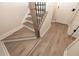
point(65, 12)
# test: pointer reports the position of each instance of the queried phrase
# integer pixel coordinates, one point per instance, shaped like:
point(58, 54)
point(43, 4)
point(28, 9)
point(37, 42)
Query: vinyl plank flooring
point(20, 48)
point(22, 33)
point(54, 42)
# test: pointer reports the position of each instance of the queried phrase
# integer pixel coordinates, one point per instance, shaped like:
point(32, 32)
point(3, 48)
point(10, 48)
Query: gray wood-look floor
point(20, 48)
point(22, 33)
point(52, 44)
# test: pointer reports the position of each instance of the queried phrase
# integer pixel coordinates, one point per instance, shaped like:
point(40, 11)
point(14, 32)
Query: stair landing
point(17, 47)
point(22, 33)
point(20, 48)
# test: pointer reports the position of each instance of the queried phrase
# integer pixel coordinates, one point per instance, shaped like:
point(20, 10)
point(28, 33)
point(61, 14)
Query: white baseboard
point(45, 31)
point(28, 21)
point(74, 42)
point(4, 49)
point(10, 32)
point(29, 28)
point(65, 52)
point(37, 42)
point(23, 39)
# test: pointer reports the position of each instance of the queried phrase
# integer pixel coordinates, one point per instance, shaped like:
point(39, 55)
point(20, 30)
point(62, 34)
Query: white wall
point(47, 23)
point(11, 15)
point(64, 13)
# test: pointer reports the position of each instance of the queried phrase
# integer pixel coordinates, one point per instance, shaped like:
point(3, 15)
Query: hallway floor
point(52, 44)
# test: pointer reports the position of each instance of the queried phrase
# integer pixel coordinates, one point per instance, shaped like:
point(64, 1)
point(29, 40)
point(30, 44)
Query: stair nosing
point(29, 28)
point(22, 39)
point(28, 21)
point(19, 37)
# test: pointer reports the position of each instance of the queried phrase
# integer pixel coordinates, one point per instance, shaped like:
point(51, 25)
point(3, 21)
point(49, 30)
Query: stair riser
point(29, 28)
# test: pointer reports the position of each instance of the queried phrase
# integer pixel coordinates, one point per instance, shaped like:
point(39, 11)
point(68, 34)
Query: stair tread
point(20, 47)
point(40, 15)
point(29, 19)
point(29, 13)
point(29, 25)
point(24, 32)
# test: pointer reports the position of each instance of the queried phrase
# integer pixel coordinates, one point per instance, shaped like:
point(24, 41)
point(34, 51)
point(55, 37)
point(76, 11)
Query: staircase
point(28, 35)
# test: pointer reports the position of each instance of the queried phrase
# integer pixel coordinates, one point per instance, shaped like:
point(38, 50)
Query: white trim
point(73, 43)
point(13, 40)
point(37, 42)
point(28, 21)
point(45, 31)
point(6, 53)
point(10, 32)
point(26, 15)
point(65, 52)
point(29, 28)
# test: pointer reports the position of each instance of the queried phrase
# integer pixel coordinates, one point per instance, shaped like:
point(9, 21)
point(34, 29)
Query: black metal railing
point(40, 12)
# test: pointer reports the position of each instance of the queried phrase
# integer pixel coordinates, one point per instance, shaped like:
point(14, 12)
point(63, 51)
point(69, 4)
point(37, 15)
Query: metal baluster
point(45, 6)
point(36, 5)
point(40, 11)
